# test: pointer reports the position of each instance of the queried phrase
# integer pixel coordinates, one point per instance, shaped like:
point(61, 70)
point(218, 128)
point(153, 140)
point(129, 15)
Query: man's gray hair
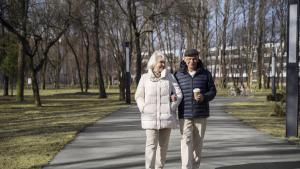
point(153, 59)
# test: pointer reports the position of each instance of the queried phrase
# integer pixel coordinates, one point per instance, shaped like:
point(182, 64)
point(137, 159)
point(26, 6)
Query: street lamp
point(292, 80)
point(127, 75)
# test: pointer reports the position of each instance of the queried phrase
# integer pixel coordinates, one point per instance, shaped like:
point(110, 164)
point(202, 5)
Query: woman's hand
point(173, 98)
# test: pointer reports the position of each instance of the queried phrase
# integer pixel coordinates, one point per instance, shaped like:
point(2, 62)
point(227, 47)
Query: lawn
point(256, 111)
point(31, 136)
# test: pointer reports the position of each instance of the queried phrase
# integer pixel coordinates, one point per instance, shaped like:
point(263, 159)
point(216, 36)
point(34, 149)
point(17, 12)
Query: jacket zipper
point(158, 93)
point(192, 94)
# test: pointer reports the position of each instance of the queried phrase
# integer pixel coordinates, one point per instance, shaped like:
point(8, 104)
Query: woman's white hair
point(154, 58)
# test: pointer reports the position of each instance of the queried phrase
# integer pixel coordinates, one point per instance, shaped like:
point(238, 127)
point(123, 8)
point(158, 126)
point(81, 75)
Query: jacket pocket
point(173, 107)
point(149, 109)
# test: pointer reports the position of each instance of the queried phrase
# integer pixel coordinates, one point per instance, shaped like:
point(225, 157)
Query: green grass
point(254, 92)
point(31, 136)
point(222, 92)
point(256, 112)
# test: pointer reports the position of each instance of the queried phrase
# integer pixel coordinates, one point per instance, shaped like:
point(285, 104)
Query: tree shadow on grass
point(103, 159)
point(76, 94)
point(131, 163)
point(82, 94)
point(50, 123)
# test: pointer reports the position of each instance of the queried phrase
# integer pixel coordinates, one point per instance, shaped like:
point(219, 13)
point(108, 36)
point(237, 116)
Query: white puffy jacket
point(153, 100)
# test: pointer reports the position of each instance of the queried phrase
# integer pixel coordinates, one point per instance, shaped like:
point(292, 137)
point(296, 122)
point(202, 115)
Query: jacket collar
point(162, 75)
point(183, 67)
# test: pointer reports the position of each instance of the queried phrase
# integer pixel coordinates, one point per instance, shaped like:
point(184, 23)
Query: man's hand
point(173, 98)
point(199, 98)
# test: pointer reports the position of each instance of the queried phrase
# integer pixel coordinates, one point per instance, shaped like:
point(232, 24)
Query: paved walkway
point(117, 142)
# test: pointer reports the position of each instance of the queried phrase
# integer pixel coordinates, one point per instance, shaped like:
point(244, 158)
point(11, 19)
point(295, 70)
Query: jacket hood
point(183, 66)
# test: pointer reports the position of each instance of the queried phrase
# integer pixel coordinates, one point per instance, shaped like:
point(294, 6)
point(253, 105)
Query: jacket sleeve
point(175, 90)
point(212, 91)
point(140, 94)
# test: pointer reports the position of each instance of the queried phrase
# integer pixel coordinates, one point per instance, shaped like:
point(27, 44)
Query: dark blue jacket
point(189, 107)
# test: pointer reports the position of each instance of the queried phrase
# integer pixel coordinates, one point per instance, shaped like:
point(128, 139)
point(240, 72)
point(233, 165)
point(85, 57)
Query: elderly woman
point(158, 96)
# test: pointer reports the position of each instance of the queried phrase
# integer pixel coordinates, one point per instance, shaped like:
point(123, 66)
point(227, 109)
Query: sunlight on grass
point(31, 136)
point(222, 92)
point(256, 112)
point(295, 140)
point(262, 103)
point(32, 150)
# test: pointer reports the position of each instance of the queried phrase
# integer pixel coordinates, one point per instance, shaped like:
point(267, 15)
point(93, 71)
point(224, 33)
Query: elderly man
point(193, 111)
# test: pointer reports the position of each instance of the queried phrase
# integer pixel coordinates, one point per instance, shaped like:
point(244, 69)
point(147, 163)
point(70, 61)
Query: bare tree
point(86, 42)
point(217, 37)
point(250, 41)
point(132, 10)
point(94, 32)
point(260, 42)
point(76, 62)
point(281, 14)
point(2, 53)
point(102, 92)
point(116, 33)
point(224, 40)
point(8, 60)
point(30, 42)
point(9, 8)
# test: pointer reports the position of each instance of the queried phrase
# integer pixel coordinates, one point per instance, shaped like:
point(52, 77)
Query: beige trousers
point(192, 134)
point(156, 148)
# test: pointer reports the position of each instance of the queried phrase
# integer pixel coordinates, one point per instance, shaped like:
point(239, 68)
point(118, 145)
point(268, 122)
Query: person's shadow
point(271, 165)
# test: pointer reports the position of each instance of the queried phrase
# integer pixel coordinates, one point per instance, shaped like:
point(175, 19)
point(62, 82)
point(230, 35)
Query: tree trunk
point(265, 79)
point(102, 92)
point(35, 85)
point(204, 44)
point(217, 40)
point(87, 64)
point(188, 32)
point(77, 65)
point(2, 50)
point(249, 50)
point(133, 22)
point(57, 69)
point(282, 14)
point(44, 74)
point(138, 57)
point(57, 77)
point(21, 56)
point(169, 46)
point(5, 87)
point(11, 82)
point(260, 38)
point(36, 91)
point(223, 50)
point(233, 61)
point(87, 72)
point(121, 86)
point(20, 75)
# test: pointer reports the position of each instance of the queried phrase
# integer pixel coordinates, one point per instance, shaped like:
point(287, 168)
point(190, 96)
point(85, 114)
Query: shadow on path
point(118, 142)
point(273, 165)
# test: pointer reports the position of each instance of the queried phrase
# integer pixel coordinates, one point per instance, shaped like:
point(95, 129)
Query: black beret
point(191, 52)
